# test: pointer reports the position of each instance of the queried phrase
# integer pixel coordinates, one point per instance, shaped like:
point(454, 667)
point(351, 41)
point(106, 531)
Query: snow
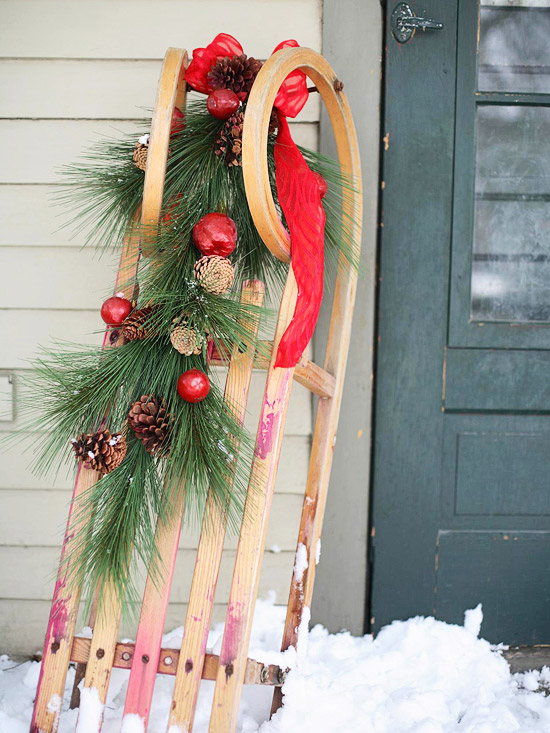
point(417, 676)
point(473, 620)
point(301, 564)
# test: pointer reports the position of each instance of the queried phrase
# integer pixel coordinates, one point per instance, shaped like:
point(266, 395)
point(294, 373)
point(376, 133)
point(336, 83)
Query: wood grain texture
point(275, 237)
point(211, 544)
point(64, 610)
point(328, 411)
point(246, 573)
point(170, 93)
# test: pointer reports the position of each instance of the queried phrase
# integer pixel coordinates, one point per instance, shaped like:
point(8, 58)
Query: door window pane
point(514, 46)
point(511, 249)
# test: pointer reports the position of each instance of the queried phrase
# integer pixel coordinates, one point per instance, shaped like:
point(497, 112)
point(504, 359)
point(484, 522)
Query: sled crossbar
point(232, 668)
point(306, 372)
point(256, 672)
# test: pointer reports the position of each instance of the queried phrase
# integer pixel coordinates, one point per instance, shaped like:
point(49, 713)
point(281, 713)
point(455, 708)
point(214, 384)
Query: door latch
point(404, 23)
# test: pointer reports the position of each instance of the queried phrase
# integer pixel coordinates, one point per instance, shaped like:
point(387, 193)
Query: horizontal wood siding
point(71, 73)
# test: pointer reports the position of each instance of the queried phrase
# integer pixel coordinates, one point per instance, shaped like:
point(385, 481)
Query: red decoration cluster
point(290, 98)
point(215, 234)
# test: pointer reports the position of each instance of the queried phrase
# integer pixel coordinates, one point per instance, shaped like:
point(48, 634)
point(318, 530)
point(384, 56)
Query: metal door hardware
point(404, 23)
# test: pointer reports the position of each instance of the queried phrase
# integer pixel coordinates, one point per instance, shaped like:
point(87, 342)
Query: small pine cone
point(137, 326)
point(100, 451)
point(186, 340)
point(230, 141)
point(150, 422)
point(214, 274)
point(140, 152)
point(236, 73)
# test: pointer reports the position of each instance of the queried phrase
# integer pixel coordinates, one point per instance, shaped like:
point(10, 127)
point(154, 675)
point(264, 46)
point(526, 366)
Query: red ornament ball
point(193, 385)
point(321, 182)
point(222, 103)
point(215, 234)
point(177, 121)
point(115, 310)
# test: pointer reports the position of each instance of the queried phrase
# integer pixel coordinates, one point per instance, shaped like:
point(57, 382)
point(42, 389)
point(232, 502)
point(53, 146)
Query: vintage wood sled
point(96, 657)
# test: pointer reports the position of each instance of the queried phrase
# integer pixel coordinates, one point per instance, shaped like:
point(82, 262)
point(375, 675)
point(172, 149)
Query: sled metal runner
point(190, 664)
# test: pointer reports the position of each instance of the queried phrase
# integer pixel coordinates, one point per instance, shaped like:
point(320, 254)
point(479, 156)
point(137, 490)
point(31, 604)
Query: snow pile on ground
point(420, 676)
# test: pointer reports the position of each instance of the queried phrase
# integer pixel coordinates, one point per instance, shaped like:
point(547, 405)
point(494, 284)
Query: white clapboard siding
point(38, 149)
point(43, 523)
point(114, 89)
point(72, 73)
point(135, 29)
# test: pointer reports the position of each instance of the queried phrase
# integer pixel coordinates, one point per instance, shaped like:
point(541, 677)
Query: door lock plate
point(404, 23)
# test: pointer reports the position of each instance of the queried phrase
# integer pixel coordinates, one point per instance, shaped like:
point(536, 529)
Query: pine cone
point(150, 422)
point(137, 326)
point(230, 142)
point(100, 451)
point(214, 274)
point(185, 339)
point(140, 152)
point(236, 73)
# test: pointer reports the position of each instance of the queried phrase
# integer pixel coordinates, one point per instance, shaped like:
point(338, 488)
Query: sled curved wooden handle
point(171, 93)
point(255, 134)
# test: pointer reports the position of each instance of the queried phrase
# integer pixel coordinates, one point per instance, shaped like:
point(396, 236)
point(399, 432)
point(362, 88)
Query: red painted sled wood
point(232, 668)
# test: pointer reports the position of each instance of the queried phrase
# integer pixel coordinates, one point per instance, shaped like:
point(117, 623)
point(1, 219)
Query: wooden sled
point(231, 668)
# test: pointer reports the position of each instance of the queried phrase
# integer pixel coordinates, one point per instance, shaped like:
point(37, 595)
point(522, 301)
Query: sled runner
point(231, 668)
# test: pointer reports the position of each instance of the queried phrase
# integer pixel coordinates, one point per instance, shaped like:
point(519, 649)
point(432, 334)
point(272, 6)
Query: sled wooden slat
point(328, 412)
point(210, 549)
point(246, 572)
point(171, 89)
point(257, 673)
point(64, 610)
point(306, 372)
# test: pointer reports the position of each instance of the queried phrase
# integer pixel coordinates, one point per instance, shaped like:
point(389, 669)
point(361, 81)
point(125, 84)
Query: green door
point(461, 492)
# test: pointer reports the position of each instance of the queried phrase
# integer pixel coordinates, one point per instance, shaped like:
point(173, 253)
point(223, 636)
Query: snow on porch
point(421, 676)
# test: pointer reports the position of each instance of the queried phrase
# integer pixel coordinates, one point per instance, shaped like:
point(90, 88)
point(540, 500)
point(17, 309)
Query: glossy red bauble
point(215, 234)
point(323, 185)
point(222, 103)
point(115, 310)
point(177, 121)
point(193, 385)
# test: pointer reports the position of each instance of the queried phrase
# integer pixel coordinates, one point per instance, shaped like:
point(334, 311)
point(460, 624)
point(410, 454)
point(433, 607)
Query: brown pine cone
point(185, 339)
point(100, 451)
point(150, 422)
point(137, 326)
point(214, 274)
point(236, 73)
point(230, 141)
point(140, 152)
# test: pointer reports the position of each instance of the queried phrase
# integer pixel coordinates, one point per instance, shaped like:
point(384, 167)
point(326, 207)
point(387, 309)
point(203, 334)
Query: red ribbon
point(300, 200)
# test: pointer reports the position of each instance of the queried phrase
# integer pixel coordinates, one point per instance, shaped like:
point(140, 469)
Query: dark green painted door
point(461, 492)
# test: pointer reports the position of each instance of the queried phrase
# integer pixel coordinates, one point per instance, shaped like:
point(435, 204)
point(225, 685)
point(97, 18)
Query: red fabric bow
point(204, 59)
point(290, 98)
